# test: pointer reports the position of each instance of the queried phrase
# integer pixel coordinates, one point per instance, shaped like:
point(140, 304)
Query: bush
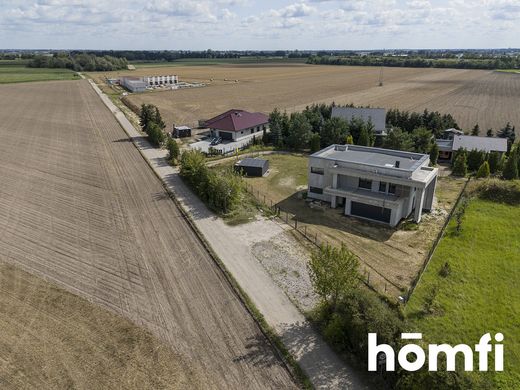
point(173, 151)
point(445, 270)
point(460, 167)
point(483, 171)
point(500, 191)
point(511, 168)
point(475, 159)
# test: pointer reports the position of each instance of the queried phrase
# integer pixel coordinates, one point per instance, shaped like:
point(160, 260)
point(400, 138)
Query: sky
point(258, 25)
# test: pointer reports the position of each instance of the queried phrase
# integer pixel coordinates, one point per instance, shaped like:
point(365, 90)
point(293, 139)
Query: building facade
point(376, 184)
point(133, 84)
point(153, 81)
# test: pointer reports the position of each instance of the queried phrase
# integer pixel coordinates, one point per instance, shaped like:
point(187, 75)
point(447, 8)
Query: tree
point(173, 150)
point(334, 131)
point(476, 130)
point(314, 142)
point(155, 134)
point(475, 159)
point(434, 153)
point(334, 273)
point(494, 162)
point(508, 132)
point(275, 125)
point(398, 140)
point(460, 167)
point(511, 167)
point(299, 132)
point(422, 138)
point(483, 171)
point(157, 119)
point(364, 137)
point(490, 133)
point(349, 140)
point(146, 116)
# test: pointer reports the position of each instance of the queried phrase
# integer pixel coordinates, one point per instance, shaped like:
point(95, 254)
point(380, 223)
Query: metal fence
point(370, 276)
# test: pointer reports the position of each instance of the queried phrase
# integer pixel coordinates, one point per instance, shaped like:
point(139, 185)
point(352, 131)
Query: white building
point(133, 84)
point(376, 184)
point(153, 81)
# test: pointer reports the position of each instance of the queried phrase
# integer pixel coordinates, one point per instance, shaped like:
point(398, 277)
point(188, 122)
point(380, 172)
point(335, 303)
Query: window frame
point(321, 171)
point(366, 181)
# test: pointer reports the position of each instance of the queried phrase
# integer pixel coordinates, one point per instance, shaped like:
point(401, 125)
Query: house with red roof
point(236, 125)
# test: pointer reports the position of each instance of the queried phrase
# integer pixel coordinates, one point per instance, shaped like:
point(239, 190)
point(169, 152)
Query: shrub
point(475, 159)
point(434, 154)
point(494, 162)
point(484, 170)
point(173, 151)
point(511, 168)
point(460, 167)
point(499, 191)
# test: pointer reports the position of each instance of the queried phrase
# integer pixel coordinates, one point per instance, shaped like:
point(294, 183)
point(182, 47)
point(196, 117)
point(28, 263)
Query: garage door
point(371, 212)
point(225, 135)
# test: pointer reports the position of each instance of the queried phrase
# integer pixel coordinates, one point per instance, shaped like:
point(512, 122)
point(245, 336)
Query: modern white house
point(133, 84)
point(371, 183)
point(453, 140)
point(376, 116)
point(237, 125)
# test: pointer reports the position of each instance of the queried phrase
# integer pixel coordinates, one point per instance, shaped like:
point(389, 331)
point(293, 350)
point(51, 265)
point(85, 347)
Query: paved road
point(232, 245)
point(80, 207)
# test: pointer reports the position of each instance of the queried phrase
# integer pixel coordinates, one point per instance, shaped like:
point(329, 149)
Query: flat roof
point(251, 162)
point(377, 157)
point(182, 128)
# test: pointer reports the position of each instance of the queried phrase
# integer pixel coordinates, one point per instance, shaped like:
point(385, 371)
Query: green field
point(481, 293)
point(10, 73)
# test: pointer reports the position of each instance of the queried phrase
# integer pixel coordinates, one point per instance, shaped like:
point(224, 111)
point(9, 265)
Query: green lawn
point(482, 293)
point(509, 70)
point(10, 73)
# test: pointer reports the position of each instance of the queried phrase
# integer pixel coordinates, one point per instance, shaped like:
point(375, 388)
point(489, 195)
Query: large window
point(317, 171)
point(382, 186)
point(316, 190)
point(391, 189)
point(365, 184)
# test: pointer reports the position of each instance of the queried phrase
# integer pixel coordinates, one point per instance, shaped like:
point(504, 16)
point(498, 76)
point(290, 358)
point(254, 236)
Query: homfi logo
point(412, 357)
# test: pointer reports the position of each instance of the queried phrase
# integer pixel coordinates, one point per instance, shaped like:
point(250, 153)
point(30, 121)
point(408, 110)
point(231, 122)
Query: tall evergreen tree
point(476, 130)
point(434, 154)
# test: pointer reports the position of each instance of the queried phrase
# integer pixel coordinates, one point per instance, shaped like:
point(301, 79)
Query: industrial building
point(156, 81)
point(237, 125)
point(133, 84)
point(370, 183)
point(255, 167)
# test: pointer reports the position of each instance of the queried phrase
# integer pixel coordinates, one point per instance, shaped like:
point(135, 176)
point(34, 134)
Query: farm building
point(181, 131)
point(252, 167)
point(152, 81)
point(370, 183)
point(455, 140)
point(133, 84)
point(236, 125)
point(377, 116)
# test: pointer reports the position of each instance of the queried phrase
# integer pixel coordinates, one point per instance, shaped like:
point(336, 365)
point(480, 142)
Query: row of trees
point(314, 128)
point(152, 124)
point(221, 190)
point(503, 62)
point(79, 62)
point(409, 121)
point(486, 164)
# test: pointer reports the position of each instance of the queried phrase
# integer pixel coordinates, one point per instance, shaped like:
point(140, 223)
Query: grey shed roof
point(251, 162)
point(375, 115)
point(486, 144)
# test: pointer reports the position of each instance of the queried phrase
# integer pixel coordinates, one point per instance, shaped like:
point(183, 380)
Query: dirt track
point(487, 97)
point(79, 206)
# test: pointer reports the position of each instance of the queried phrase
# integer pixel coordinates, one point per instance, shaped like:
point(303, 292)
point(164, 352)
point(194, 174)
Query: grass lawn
point(509, 70)
point(10, 73)
point(481, 293)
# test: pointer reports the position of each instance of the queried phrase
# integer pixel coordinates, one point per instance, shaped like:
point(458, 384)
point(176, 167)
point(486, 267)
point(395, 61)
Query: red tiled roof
point(237, 120)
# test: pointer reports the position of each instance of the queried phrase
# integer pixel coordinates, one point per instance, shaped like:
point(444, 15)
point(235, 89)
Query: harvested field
point(52, 339)
point(80, 207)
point(487, 97)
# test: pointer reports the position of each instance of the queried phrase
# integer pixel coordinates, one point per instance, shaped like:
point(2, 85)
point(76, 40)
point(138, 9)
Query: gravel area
point(286, 262)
